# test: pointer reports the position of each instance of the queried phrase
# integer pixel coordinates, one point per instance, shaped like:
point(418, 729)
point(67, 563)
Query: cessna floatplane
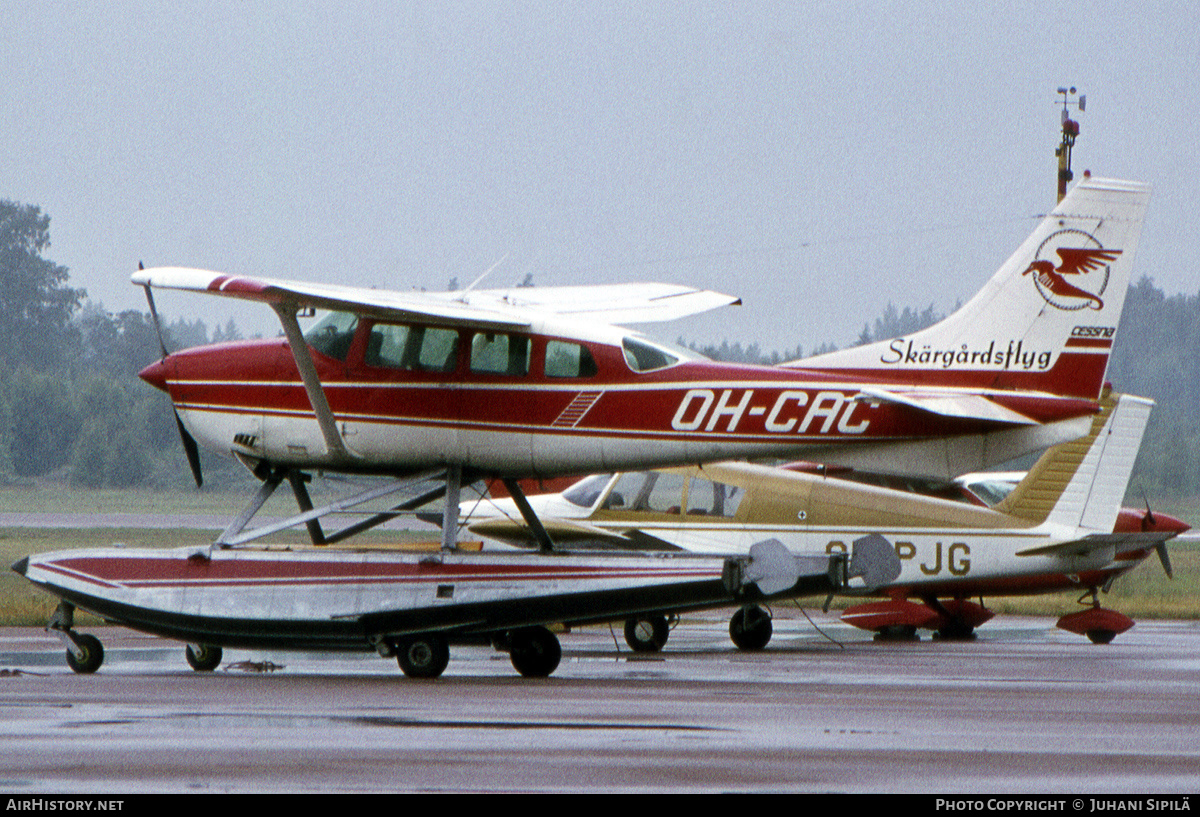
point(533, 382)
point(1057, 528)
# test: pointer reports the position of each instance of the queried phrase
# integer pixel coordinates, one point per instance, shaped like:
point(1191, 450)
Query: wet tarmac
point(1025, 708)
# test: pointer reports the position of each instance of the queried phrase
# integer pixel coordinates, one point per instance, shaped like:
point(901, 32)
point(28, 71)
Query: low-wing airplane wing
point(492, 308)
point(516, 531)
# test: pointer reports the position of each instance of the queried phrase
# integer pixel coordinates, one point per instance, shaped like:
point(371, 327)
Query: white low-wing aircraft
point(1060, 528)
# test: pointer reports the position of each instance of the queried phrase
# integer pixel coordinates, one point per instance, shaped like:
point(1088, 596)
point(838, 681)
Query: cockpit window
point(333, 334)
point(642, 357)
point(585, 492)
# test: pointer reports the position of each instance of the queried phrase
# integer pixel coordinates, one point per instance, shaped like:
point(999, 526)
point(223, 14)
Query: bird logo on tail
point(1051, 280)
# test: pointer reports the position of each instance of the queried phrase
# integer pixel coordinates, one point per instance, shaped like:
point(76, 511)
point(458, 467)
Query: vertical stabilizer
point(1082, 483)
point(1045, 321)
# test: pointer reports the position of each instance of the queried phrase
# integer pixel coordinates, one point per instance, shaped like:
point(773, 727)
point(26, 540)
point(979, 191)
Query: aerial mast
point(1070, 129)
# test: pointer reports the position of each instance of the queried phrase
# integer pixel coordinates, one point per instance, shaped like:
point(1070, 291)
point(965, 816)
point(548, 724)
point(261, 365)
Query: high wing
point(488, 309)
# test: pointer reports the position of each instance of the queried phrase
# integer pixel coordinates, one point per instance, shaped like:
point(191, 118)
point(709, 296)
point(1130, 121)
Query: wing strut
point(312, 382)
point(531, 518)
point(453, 480)
point(236, 534)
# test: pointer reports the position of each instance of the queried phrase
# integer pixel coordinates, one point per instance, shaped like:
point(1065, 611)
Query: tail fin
point(1082, 483)
point(1044, 322)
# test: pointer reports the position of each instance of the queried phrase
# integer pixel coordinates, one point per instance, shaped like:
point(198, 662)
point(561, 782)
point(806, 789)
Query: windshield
point(333, 334)
point(645, 357)
point(585, 492)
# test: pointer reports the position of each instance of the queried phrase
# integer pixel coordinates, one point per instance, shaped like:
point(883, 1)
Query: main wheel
point(1101, 636)
point(203, 658)
point(956, 630)
point(534, 652)
point(92, 654)
point(647, 634)
point(424, 656)
point(750, 628)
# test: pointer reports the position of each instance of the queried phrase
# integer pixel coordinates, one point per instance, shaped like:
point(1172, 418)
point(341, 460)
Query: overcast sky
point(818, 160)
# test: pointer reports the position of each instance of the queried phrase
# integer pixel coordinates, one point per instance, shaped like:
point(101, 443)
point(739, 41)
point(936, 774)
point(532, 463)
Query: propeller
point(190, 449)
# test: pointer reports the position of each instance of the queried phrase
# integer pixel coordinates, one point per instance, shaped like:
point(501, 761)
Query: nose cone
point(22, 566)
point(156, 373)
point(1166, 522)
point(1133, 520)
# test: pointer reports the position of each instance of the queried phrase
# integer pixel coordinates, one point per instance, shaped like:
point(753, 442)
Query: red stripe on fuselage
point(154, 572)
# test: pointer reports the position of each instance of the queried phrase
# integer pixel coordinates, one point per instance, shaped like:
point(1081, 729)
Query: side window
point(565, 359)
point(396, 346)
point(707, 498)
point(439, 349)
point(660, 493)
point(498, 353)
point(386, 345)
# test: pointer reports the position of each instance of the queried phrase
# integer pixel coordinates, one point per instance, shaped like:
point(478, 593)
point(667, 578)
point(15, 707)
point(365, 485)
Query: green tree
point(35, 303)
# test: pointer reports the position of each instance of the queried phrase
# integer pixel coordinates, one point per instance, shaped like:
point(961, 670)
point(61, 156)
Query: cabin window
point(565, 359)
point(424, 348)
point(706, 498)
point(333, 335)
point(653, 491)
point(642, 357)
point(499, 353)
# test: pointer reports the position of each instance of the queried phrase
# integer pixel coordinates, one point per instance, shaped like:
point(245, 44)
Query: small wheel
point(897, 632)
point(92, 657)
point(424, 656)
point(203, 657)
point(647, 634)
point(750, 628)
point(1101, 636)
point(534, 652)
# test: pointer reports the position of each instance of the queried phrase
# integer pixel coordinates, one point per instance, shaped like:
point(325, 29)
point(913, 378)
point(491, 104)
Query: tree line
point(71, 404)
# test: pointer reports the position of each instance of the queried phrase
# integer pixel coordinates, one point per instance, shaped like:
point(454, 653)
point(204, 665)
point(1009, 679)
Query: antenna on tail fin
point(1070, 130)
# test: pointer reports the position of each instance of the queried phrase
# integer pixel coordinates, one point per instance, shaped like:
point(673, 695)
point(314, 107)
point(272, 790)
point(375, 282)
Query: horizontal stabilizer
point(1096, 541)
point(962, 406)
